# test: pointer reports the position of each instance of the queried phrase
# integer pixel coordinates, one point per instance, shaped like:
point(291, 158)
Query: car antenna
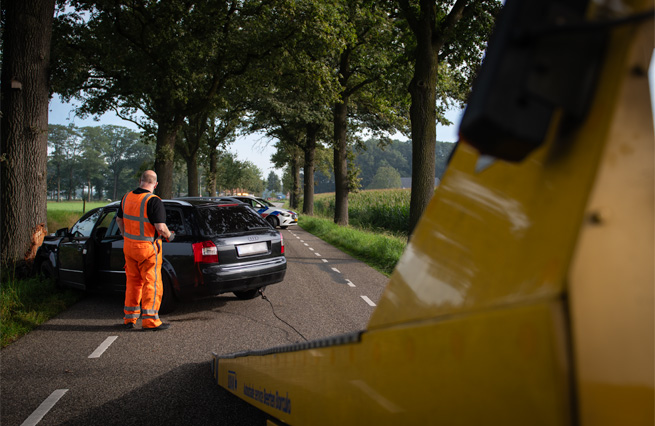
point(261, 293)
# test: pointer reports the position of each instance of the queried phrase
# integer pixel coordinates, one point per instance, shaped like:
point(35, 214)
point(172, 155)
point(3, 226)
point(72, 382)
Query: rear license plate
point(248, 249)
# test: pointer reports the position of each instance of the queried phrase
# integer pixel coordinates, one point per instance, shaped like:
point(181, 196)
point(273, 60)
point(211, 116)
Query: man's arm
point(163, 230)
point(121, 226)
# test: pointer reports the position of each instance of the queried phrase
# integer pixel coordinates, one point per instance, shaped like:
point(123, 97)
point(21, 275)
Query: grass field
point(64, 214)
point(379, 210)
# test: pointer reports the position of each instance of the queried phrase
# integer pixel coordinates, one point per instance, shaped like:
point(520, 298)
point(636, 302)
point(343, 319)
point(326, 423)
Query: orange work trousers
point(144, 287)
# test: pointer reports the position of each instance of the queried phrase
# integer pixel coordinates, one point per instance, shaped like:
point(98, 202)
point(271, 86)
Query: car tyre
point(247, 294)
point(168, 301)
point(272, 220)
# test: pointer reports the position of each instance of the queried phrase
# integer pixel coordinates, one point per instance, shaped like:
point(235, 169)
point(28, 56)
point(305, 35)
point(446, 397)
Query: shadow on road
point(187, 395)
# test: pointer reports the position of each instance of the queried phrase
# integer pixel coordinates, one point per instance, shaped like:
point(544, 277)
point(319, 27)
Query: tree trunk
point(295, 173)
point(213, 171)
point(341, 163)
point(164, 156)
point(115, 193)
point(192, 176)
point(310, 151)
point(422, 113)
point(24, 146)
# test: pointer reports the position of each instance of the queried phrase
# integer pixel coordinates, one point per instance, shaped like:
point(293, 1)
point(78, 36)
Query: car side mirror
point(62, 232)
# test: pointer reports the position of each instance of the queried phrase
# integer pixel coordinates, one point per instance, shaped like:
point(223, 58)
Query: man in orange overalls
point(141, 218)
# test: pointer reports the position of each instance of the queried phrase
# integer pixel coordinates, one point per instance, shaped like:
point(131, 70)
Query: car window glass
point(175, 222)
point(104, 224)
point(84, 226)
point(113, 231)
point(216, 220)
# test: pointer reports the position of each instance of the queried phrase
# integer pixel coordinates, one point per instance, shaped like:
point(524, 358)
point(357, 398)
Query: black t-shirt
point(155, 207)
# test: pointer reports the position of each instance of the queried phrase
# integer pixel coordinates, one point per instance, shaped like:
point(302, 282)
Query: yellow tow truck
point(526, 293)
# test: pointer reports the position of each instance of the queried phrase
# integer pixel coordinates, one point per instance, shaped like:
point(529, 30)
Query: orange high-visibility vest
point(135, 217)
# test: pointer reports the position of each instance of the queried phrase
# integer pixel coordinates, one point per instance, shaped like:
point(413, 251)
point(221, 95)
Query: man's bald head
point(149, 180)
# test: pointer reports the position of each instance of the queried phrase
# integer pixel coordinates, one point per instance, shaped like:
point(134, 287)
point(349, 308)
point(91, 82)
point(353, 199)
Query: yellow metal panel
point(612, 278)
point(474, 326)
point(499, 367)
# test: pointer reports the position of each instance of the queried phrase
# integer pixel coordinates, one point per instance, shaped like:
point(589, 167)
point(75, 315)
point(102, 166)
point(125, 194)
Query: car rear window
point(215, 220)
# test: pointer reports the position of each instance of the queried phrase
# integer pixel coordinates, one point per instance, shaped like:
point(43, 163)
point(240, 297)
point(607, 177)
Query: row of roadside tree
point(103, 162)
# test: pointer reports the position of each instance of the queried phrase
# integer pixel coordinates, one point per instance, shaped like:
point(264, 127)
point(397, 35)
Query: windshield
point(266, 203)
point(216, 220)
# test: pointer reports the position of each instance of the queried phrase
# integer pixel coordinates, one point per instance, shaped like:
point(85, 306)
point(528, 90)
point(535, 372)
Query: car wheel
point(283, 227)
point(168, 301)
point(247, 294)
point(272, 220)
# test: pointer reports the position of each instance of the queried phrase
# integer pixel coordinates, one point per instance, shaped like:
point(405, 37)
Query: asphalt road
point(81, 368)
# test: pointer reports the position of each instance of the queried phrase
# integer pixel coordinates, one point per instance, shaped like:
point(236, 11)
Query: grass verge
point(25, 303)
point(379, 251)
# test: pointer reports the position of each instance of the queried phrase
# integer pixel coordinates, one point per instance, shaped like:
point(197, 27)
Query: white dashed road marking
point(103, 347)
point(367, 300)
point(45, 406)
point(350, 283)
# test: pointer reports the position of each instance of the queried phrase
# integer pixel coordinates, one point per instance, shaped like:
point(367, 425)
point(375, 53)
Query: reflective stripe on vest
point(141, 219)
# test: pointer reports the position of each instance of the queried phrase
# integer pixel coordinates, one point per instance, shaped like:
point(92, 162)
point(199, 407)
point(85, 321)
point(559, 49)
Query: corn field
point(380, 209)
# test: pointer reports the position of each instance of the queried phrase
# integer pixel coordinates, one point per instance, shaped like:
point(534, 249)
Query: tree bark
point(164, 156)
point(213, 171)
point(310, 152)
point(192, 176)
point(71, 185)
point(341, 163)
point(24, 147)
point(295, 173)
point(422, 113)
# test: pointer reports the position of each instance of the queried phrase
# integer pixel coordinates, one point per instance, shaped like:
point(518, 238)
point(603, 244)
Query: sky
point(255, 148)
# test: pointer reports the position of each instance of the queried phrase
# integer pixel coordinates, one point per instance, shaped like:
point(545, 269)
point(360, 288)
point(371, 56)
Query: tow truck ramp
point(525, 295)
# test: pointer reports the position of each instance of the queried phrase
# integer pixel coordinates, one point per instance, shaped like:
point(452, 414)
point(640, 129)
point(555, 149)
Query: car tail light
point(281, 243)
point(205, 252)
